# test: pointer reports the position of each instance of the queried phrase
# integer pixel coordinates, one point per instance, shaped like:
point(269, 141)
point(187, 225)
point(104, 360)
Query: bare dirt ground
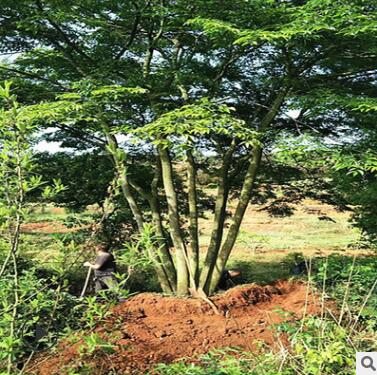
point(149, 328)
point(46, 227)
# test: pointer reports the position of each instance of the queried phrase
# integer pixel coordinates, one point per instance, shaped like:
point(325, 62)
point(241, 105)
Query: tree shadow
point(260, 272)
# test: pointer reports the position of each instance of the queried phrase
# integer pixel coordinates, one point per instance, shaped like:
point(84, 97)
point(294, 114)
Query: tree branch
point(193, 248)
point(132, 35)
point(218, 220)
point(67, 40)
point(33, 76)
point(247, 188)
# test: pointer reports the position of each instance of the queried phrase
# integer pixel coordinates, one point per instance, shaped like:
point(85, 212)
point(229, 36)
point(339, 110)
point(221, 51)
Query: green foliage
point(321, 346)
point(94, 345)
point(319, 99)
point(15, 173)
point(195, 121)
point(135, 260)
point(44, 311)
point(85, 177)
point(16, 158)
point(351, 280)
point(93, 312)
point(220, 362)
point(47, 312)
point(348, 174)
point(291, 22)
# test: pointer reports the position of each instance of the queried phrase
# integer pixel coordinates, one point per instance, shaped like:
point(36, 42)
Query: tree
point(169, 73)
point(86, 177)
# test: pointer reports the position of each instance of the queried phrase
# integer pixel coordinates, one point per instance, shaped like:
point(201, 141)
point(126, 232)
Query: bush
point(352, 281)
point(44, 311)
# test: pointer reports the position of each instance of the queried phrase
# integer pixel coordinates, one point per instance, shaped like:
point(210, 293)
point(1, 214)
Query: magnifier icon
point(367, 362)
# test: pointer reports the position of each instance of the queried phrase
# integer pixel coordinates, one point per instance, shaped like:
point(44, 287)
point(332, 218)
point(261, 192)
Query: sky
point(51, 147)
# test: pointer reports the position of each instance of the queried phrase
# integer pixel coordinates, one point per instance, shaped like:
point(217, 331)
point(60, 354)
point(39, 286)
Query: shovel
point(86, 283)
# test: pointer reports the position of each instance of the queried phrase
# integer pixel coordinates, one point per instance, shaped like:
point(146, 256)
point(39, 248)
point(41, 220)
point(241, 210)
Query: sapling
point(18, 126)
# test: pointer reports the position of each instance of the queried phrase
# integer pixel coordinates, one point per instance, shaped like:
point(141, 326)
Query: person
point(104, 269)
point(300, 268)
point(226, 280)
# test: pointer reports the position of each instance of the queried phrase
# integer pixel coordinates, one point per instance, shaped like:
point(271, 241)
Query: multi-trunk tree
point(191, 82)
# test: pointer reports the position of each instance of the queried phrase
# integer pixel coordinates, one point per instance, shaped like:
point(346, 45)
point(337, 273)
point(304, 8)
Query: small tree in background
point(17, 129)
point(86, 177)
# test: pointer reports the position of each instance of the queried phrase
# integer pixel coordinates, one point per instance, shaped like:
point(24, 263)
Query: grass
point(46, 213)
point(260, 272)
point(303, 231)
point(263, 242)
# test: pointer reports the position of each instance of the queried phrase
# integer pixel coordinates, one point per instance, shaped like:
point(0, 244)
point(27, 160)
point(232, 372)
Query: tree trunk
point(164, 253)
point(125, 185)
point(237, 218)
point(163, 250)
point(159, 266)
point(246, 192)
point(193, 249)
point(175, 230)
point(218, 222)
point(156, 216)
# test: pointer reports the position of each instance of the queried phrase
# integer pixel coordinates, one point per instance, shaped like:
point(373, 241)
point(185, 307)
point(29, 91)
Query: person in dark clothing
point(300, 268)
point(226, 279)
point(104, 269)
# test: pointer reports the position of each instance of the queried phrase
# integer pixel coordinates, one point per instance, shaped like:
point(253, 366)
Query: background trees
point(189, 83)
point(86, 177)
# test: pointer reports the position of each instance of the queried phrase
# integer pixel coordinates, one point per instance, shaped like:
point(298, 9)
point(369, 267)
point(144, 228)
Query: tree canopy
point(188, 82)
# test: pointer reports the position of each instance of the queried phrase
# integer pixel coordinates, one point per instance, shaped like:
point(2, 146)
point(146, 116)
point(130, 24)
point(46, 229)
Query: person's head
point(103, 247)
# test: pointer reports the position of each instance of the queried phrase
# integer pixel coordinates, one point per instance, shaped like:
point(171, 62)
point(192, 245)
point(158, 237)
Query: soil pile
point(150, 328)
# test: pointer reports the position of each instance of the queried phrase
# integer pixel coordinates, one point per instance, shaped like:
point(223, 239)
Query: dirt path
point(149, 328)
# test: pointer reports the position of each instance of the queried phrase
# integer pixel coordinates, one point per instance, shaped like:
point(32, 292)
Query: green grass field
point(262, 245)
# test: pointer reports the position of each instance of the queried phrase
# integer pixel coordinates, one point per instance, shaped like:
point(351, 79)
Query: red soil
point(149, 328)
point(46, 227)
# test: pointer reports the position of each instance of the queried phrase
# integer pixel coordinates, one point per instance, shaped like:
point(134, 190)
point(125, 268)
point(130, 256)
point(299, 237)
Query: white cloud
point(51, 147)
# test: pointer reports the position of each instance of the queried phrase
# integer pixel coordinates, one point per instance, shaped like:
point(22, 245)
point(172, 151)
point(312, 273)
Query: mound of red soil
point(150, 328)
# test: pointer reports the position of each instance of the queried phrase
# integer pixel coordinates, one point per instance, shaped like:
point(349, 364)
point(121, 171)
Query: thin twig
point(346, 293)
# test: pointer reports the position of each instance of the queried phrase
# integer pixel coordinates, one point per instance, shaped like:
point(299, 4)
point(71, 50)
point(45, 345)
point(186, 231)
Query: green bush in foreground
point(46, 312)
point(351, 282)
